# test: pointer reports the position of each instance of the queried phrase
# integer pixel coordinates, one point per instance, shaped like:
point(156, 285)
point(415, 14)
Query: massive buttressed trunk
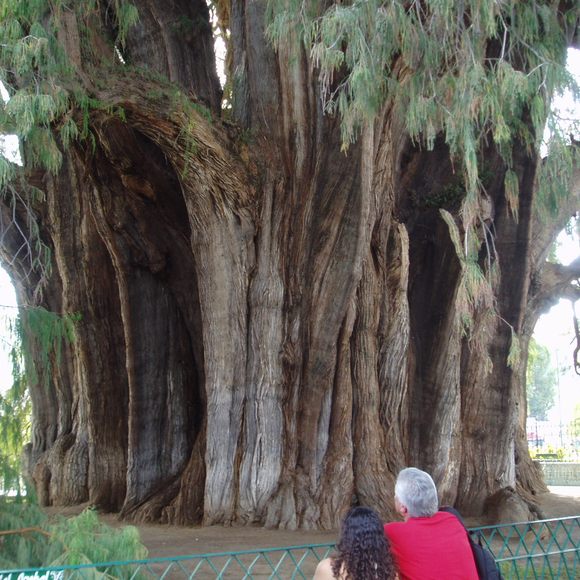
point(270, 326)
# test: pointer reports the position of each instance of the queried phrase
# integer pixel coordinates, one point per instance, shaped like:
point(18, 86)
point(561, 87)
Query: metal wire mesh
point(538, 550)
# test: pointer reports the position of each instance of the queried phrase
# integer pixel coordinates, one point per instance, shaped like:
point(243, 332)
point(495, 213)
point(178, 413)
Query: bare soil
point(168, 541)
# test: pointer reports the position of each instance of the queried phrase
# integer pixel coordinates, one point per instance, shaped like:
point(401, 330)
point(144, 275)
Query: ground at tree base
point(169, 541)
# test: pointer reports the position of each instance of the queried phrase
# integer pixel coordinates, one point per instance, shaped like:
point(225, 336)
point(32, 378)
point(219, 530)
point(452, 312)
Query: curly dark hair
point(363, 550)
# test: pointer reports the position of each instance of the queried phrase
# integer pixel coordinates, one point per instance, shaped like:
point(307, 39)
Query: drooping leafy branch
point(47, 109)
point(35, 338)
point(474, 71)
point(41, 334)
point(30, 539)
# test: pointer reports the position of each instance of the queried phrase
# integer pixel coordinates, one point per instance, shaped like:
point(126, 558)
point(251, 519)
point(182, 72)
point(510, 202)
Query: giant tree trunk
point(269, 331)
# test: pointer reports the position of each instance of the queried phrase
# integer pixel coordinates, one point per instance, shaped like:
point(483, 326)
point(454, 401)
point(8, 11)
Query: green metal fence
point(540, 549)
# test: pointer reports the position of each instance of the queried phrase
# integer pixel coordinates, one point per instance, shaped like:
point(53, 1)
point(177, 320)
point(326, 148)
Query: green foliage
point(541, 380)
point(35, 337)
point(14, 433)
point(470, 70)
point(550, 452)
point(69, 131)
point(186, 135)
point(29, 538)
point(7, 172)
point(47, 109)
point(447, 197)
point(475, 290)
point(37, 541)
point(41, 82)
point(41, 334)
point(474, 72)
point(127, 16)
point(512, 190)
point(192, 111)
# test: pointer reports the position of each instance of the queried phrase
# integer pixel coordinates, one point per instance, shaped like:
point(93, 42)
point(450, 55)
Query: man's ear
point(403, 509)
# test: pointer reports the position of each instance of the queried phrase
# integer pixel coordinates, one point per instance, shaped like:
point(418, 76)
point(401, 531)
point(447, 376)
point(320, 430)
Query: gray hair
point(415, 489)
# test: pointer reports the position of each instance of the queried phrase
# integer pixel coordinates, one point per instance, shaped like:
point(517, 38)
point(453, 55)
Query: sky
point(7, 312)
point(555, 330)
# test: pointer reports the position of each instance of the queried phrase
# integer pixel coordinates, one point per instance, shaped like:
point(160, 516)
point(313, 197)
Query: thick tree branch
point(549, 284)
point(182, 35)
point(555, 282)
point(544, 232)
point(556, 278)
point(192, 141)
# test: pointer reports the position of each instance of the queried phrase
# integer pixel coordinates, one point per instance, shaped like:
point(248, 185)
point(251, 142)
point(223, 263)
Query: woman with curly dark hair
point(363, 550)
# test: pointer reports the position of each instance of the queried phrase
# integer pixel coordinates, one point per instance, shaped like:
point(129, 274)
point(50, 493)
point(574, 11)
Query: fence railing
point(539, 549)
point(561, 472)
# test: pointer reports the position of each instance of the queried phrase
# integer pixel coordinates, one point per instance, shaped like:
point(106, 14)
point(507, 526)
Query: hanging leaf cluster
point(41, 334)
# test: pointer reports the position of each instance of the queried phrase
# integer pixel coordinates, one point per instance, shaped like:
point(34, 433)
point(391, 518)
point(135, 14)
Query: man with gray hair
point(429, 544)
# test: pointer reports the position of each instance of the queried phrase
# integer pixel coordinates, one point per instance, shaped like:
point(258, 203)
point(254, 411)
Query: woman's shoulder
point(324, 570)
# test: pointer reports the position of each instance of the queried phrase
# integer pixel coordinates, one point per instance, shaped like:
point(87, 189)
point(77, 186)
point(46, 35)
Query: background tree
point(574, 427)
point(285, 302)
point(14, 434)
point(542, 378)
